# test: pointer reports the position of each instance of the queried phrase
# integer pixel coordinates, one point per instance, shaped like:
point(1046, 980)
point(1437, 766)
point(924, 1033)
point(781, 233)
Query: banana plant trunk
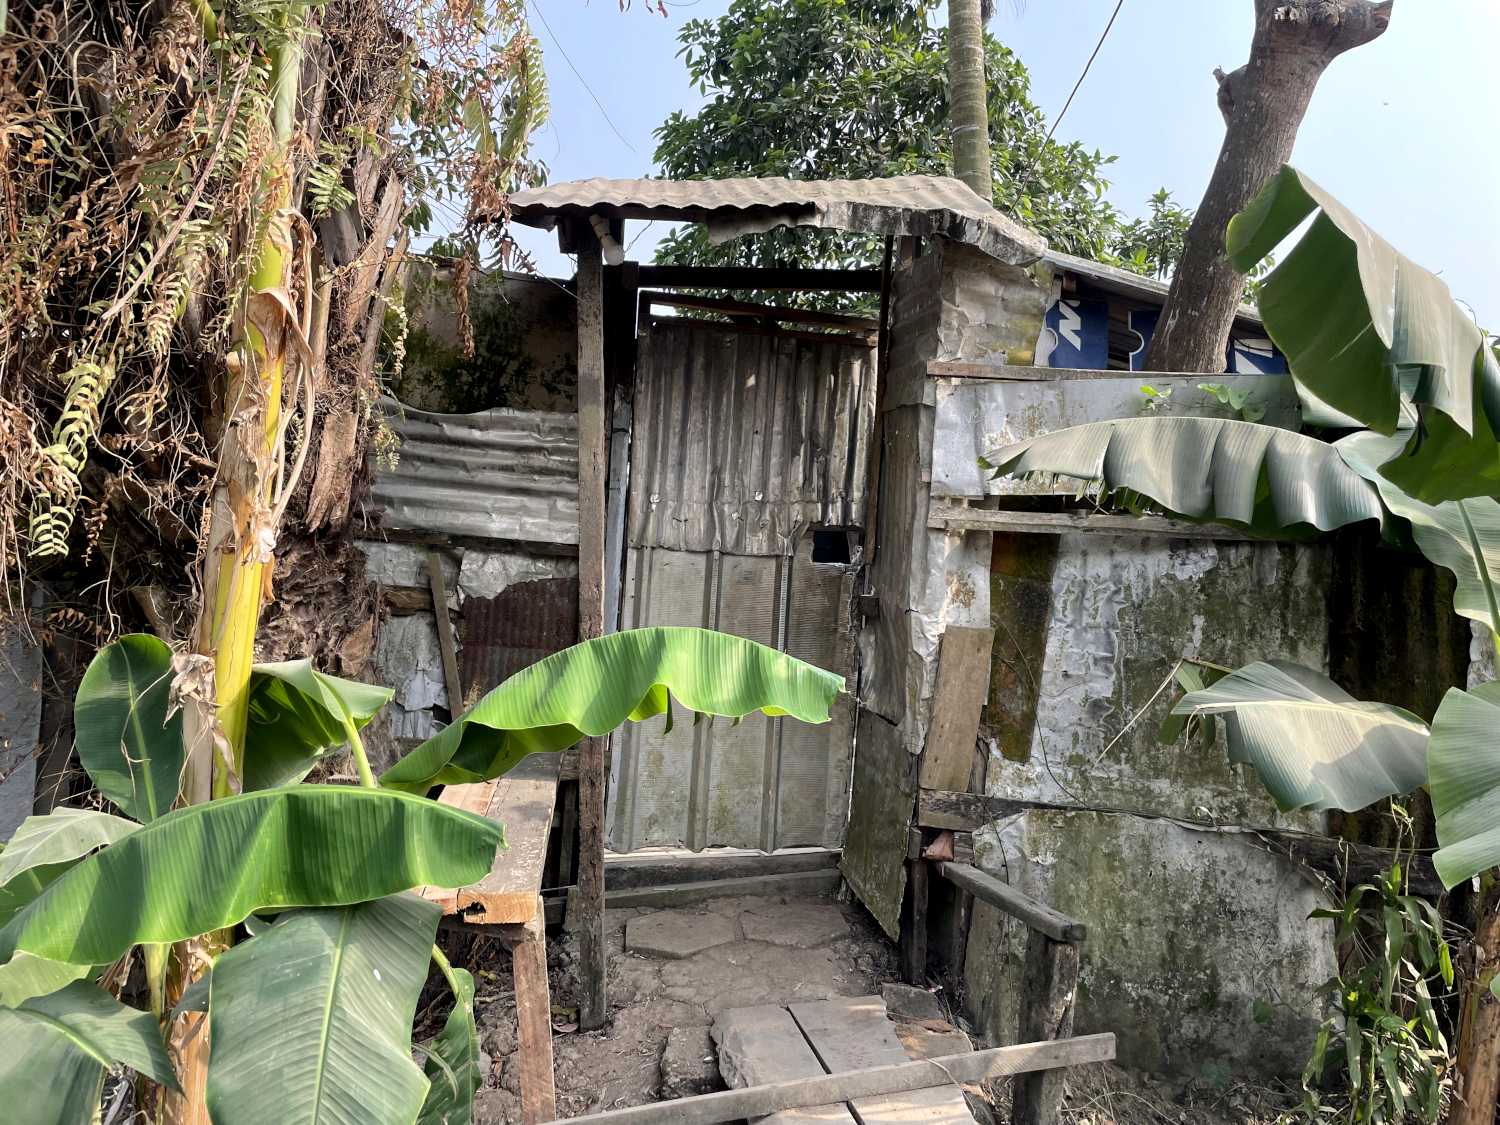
point(241, 539)
point(1479, 1033)
point(968, 112)
point(1263, 104)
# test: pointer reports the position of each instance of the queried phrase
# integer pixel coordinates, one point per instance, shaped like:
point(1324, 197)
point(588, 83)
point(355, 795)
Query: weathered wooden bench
point(506, 904)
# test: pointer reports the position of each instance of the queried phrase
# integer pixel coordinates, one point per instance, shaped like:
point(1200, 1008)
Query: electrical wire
point(1085, 73)
point(537, 8)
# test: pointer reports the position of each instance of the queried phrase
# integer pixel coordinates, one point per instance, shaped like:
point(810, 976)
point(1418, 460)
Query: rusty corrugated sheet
point(741, 440)
point(895, 205)
point(502, 474)
point(524, 623)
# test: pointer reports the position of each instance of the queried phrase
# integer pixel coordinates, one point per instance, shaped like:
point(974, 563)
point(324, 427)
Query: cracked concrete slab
point(802, 925)
point(671, 935)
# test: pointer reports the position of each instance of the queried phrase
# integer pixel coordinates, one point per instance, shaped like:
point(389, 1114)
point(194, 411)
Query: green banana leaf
point(1313, 745)
point(1462, 535)
point(129, 747)
point(453, 1060)
point(312, 1019)
point(1209, 469)
point(1464, 779)
point(1356, 319)
point(207, 866)
point(25, 976)
point(62, 835)
point(57, 1048)
point(27, 885)
point(593, 687)
point(296, 715)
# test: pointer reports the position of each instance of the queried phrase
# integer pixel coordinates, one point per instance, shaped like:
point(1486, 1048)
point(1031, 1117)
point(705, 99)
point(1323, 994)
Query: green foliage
point(1236, 401)
point(1383, 1027)
point(1217, 1071)
point(60, 837)
point(1190, 676)
point(131, 749)
point(1153, 246)
point(593, 687)
point(1464, 780)
point(852, 89)
point(298, 713)
point(453, 1058)
point(323, 1000)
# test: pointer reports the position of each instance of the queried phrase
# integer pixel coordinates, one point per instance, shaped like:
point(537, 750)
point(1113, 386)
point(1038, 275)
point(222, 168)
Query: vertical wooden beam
point(534, 1022)
point(592, 469)
point(914, 924)
point(1048, 987)
point(445, 634)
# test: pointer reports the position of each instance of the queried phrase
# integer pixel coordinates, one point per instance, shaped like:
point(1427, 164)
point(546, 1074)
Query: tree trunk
point(1263, 104)
point(967, 110)
point(1479, 1033)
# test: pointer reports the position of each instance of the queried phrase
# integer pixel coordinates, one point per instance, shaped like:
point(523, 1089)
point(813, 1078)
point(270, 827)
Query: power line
point(537, 8)
point(1086, 66)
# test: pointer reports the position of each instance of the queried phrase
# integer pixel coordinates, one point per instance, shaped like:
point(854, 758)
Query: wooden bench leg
point(534, 1022)
point(914, 924)
point(1048, 989)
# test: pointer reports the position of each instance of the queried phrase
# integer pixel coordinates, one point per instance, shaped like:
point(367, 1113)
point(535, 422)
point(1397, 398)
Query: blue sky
point(1401, 130)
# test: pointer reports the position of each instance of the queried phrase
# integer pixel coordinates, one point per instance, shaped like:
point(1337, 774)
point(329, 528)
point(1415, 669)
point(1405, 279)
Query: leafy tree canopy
point(841, 89)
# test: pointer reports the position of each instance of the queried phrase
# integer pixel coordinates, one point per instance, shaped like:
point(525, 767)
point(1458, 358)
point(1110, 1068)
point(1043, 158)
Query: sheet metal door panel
point(764, 783)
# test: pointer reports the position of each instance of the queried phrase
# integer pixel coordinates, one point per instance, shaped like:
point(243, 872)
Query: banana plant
point(310, 1017)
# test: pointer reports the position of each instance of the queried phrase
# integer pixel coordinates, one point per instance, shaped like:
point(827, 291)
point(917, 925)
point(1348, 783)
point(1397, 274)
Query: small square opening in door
point(831, 547)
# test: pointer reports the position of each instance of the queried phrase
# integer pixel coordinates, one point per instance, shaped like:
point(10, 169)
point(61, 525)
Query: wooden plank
point(754, 1101)
point(862, 339)
point(1003, 897)
point(942, 517)
point(822, 882)
point(751, 277)
point(968, 811)
point(913, 945)
point(406, 599)
point(962, 674)
point(625, 872)
point(534, 1022)
point(472, 798)
point(854, 1033)
point(384, 534)
point(567, 853)
point(1049, 985)
point(522, 801)
point(1348, 864)
point(769, 312)
point(445, 634)
point(592, 481)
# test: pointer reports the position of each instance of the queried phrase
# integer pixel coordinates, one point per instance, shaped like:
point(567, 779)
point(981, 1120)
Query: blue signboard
point(1076, 335)
point(1250, 355)
point(1143, 324)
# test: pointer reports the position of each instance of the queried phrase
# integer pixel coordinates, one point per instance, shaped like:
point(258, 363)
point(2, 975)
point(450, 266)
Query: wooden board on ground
point(522, 801)
point(854, 1033)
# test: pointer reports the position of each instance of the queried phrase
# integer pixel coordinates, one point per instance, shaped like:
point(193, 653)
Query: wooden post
point(534, 1021)
point(592, 469)
point(914, 924)
point(445, 634)
point(1048, 989)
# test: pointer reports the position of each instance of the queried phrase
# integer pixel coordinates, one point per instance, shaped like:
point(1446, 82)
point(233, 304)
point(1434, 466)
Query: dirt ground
point(769, 951)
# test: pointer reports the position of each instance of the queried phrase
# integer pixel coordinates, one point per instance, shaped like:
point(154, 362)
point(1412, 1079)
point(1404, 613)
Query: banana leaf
point(25, 976)
point(312, 1019)
point(453, 1060)
point(1464, 780)
point(593, 687)
point(129, 747)
point(296, 715)
point(62, 835)
point(1207, 469)
point(207, 866)
point(27, 885)
point(1356, 318)
point(57, 1048)
point(1313, 745)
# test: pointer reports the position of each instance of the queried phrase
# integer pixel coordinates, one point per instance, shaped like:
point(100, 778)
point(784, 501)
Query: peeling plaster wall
point(1188, 925)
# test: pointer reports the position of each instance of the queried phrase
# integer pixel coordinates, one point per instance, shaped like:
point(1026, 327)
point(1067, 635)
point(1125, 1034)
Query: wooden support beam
point(824, 882)
point(963, 672)
point(765, 312)
point(1048, 988)
point(758, 1101)
point(1005, 898)
point(914, 923)
point(593, 435)
point(943, 517)
point(751, 277)
point(445, 634)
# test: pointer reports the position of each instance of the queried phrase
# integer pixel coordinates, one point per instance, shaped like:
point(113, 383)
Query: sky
point(1400, 130)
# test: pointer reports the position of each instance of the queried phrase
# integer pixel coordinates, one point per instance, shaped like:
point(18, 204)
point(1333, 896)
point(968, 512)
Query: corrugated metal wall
point(502, 474)
point(741, 443)
point(742, 440)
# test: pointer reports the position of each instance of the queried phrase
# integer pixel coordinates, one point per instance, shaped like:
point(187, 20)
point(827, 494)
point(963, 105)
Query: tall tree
point(827, 89)
point(1263, 104)
point(971, 141)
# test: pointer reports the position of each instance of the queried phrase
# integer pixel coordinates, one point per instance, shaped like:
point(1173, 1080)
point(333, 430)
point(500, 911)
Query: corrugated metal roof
point(501, 474)
point(895, 205)
point(743, 440)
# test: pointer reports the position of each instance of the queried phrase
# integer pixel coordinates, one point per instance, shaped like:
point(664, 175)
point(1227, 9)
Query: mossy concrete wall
point(1189, 921)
